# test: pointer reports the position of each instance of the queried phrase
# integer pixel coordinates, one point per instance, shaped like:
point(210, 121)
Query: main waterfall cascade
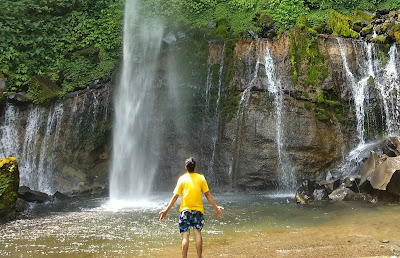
point(136, 144)
point(375, 78)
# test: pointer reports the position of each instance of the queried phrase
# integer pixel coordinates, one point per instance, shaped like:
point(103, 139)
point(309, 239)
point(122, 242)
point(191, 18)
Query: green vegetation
point(383, 57)
point(321, 114)
point(371, 81)
point(340, 25)
point(327, 106)
point(69, 42)
point(308, 64)
point(73, 42)
point(269, 101)
point(379, 40)
point(230, 107)
point(307, 105)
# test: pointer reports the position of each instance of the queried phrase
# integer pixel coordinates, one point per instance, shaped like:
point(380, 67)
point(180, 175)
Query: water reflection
point(100, 227)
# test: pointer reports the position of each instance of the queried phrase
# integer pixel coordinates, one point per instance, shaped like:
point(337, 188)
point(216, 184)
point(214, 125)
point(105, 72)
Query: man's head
point(190, 164)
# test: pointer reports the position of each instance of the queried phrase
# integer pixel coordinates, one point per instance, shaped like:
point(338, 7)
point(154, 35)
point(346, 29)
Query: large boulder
point(392, 147)
point(30, 195)
point(9, 181)
point(378, 170)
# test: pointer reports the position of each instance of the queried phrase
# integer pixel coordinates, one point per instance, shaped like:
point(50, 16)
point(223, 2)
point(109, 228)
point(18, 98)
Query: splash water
point(135, 151)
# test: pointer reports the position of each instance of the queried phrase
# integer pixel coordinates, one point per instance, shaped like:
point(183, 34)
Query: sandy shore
point(373, 236)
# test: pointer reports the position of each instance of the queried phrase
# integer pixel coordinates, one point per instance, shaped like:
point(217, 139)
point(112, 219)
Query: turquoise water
point(92, 228)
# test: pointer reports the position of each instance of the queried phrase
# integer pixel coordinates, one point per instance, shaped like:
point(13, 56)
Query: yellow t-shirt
point(191, 185)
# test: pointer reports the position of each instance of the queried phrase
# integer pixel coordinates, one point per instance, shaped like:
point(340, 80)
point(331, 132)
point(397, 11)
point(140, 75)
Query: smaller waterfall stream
point(286, 173)
point(9, 132)
point(216, 119)
point(359, 92)
point(389, 86)
point(386, 80)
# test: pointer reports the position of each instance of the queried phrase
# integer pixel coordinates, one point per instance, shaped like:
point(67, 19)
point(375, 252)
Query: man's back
point(191, 185)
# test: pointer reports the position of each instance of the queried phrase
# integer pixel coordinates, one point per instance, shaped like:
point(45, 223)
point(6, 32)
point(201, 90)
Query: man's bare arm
point(171, 203)
point(210, 199)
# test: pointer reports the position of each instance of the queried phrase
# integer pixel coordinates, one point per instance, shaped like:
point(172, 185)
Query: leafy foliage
point(40, 36)
point(340, 25)
point(73, 42)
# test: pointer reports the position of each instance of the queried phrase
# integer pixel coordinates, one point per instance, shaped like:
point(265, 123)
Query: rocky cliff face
point(309, 146)
point(239, 113)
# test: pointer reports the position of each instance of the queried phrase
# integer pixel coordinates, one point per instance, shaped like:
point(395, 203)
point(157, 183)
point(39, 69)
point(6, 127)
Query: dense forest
point(51, 47)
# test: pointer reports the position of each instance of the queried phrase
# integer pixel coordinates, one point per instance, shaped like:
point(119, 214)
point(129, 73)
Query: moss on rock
point(393, 30)
point(397, 37)
point(361, 15)
point(230, 107)
point(42, 88)
point(9, 182)
point(367, 30)
point(379, 40)
point(340, 25)
point(308, 64)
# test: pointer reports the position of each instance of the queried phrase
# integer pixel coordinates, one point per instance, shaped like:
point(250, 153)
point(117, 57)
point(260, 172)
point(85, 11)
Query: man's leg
point(185, 243)
point(199, 242)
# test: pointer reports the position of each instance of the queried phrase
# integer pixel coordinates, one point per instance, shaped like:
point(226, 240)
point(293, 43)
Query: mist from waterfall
point(136, 141)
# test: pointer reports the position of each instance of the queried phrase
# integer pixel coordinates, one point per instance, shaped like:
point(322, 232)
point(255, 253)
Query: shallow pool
point(96, 227)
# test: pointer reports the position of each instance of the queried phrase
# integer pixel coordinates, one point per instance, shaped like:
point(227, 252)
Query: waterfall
point(287, 177)
point(360, 95)
point(389, 86)
point(387, 83)
point(9, 132)
point(359, 92)
point(135, 151)
point(215, 119)
point(40, 137)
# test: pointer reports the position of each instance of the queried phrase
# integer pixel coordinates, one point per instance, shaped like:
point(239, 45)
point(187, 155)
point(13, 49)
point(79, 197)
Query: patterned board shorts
point(190, 218)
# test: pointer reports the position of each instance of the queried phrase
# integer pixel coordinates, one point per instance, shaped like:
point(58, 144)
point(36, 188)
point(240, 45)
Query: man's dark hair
point(190, 164)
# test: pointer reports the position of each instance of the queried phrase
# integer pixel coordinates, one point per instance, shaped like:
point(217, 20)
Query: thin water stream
point(279, 227)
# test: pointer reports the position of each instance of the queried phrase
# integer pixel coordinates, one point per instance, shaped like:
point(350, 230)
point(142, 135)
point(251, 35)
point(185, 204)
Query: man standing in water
point(191, 185)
